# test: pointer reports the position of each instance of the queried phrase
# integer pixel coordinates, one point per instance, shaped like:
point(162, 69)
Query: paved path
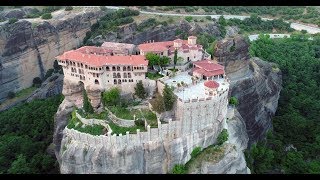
point(296, 26)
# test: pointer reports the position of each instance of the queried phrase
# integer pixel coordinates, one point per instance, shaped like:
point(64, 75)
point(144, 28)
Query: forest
point(294, 144)
point(26, 131)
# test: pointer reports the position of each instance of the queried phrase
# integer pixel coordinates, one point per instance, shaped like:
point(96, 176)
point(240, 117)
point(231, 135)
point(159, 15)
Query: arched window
point(114, 75)
point(96, 81)
point(86, 66)
point(107, 68)
point(129, 68)
point(81, 65)
point(124, 68)
point(118, 75)
point(75, 70)
point(124, 75)
point(129, 75)
point(125, 80)
point(118, 68)
point(119, 81)
point(114, 81)
point(113, 68)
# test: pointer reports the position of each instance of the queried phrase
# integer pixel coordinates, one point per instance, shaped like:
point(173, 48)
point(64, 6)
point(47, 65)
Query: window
point(129, 68)
point(81, 65)
point(114, 75)
point(118, 75)
point(86, 66)
point(118, 68)
point(124, 75)
point(119, 81)
point(134, 68)
point(96, 81)
point(78, 64)
point(100, 69)
point(107, 68)
point(75, 70)
point(125, 80)
point(124, 68)
point(115, 81)
point(129, 75)
point(113, 68)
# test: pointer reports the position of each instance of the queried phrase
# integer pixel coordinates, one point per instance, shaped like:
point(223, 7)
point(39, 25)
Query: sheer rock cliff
point(28, 47)
point(255, 83)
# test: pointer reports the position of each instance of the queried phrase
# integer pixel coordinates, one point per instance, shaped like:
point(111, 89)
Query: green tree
point(140, 91)
point(37, 82)
point(12, 20)
point(11, 94)
point(233, 101)
point(158, 103)
point(86, 103)
point(222, 21)
point(188, 18)
point(175, 59)
point(179, 169)
point(19, 166)
point(223, 137)
point(46, 16)
point(168, 97)
point(153, 59)
point(111, 97)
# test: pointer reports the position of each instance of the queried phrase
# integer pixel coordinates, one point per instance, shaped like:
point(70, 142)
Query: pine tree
point(168, 97)
point(139, 90)
point(86, 104)
point(175, 59)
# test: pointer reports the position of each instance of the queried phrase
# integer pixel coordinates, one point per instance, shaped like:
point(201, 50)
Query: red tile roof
point(100, 60)
point(158, 46)
point(208, 65)
point(208, 73)
point(211, 84)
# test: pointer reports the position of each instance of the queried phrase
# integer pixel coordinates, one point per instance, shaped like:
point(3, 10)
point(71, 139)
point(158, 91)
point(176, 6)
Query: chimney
point(153, 40)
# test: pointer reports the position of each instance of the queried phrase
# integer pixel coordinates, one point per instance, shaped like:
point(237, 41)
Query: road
point(296, 26)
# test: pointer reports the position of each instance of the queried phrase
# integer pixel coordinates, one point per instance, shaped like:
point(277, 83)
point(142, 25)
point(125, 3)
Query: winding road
point(296, 26)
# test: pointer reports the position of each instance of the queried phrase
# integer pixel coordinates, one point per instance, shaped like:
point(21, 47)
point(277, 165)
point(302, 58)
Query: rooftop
point(100, 60)
point(208, 65)
point(211, 84)
point(114, 45)
point(198, 90)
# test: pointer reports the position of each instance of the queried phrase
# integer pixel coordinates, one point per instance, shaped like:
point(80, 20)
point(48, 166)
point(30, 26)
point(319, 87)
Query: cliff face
point(28, 47)
point(129, 34)
point(254, 82)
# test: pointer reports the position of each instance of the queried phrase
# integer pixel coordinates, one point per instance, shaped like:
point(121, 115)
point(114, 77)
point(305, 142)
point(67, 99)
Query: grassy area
point(212, 154)
point(19, 95)
point(149, 115)
point(118, 129)
point(154, 76)
point(103, 115)
point(75, 123)
point(121, 112)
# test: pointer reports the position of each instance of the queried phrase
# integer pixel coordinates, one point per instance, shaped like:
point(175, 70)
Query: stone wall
point(155, 151)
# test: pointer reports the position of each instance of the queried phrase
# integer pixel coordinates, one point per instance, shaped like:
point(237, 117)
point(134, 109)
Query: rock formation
point(28, 47)
point(254, 82)
point(129, 34)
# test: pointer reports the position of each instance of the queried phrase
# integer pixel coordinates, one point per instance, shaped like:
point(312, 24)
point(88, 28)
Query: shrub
point(140, 91)
point(111, 97)
point(49, 73)
point(12, 20)
point(195, 152)
point(68, 8)
point(179, 169)
point(233, 101)
point(223, 137)
point(188, 18)
point(46, 16)
point(139, 122)
point(86, 103)
point(11, 95)
point(208, 17)
point(37, 82)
